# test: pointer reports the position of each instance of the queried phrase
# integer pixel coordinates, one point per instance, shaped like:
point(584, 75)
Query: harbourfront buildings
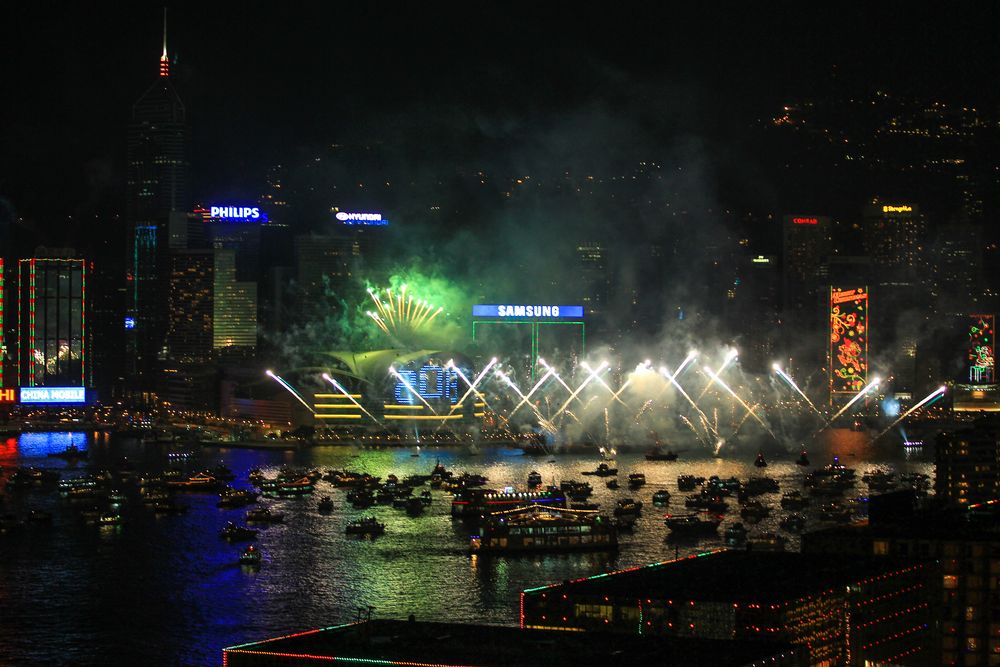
point(858, 611)
point(967, 463)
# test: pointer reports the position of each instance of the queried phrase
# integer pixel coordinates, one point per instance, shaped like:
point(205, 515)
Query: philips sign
point(528, 311)
point(368, 219)
point(241, 213)
point(53, 395)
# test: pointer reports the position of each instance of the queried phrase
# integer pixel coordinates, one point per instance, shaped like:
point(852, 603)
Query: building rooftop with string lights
point(385, 642)
point(844, 611)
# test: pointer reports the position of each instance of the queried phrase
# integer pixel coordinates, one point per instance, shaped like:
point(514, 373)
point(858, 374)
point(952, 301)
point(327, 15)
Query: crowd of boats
point(529, 517)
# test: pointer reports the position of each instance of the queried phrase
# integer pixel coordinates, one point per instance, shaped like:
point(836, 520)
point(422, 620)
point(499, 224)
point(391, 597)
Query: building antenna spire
point(164, 60)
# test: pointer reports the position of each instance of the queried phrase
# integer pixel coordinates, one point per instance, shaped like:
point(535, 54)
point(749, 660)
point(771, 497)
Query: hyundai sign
point(53, 395)
point(526, 311)
point(366, 219)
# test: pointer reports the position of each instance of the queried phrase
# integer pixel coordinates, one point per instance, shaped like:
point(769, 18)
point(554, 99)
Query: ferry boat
point(475, 502)
point(539, 528)
point(692, 524)
point(657, 454)
point(300, 487)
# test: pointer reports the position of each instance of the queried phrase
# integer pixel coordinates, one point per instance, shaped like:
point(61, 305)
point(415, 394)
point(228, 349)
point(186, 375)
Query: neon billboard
point(53, 395)
point(519, 311)
point(848, 340)
point(366, 219)
point(981, 348)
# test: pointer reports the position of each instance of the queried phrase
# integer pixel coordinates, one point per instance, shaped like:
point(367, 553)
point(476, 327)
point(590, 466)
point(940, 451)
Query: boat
point(361, 498)
point(706, 501)
point(794, 500)
point(756, 486)
point(425, 497)
point(692, 524)
point(760, 461)
point(470, 503)
point(793, 523)
point(299, 487)
point(534, 478)
point(231, 498)
point(584, 506)
point(835, 511)
point(612, 484)
point(414, 506)
point(540, 529)
point(603, 470)
point(754, 510)
point(657, 454)
point(628, 506)
point(723, 487)
point(661, 497)
point(325, 505)
point(689, 482)
point(368, 526)
point(202, 482)
point(636, 479)
point(766, 542)
point(735, 536)
point(251, 556)
point(71, 453)
point(233, 533)
point(39, 516)
point(221, 472)
point(110, 519)
point(803, 459)
point(264, 515)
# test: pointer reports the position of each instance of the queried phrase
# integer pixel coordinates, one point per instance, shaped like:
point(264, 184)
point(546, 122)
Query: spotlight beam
point(718, 380)
point(338, 387)
point(409, 387)
point(281, 381)
point(937, 393)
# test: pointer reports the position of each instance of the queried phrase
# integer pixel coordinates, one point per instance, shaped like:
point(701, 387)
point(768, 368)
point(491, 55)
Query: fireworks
point(788, 378)
point(401, 313)
point(930, 398)
point(281, 381)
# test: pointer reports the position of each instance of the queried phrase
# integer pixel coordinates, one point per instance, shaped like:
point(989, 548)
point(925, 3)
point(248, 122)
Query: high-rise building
point(322, 260)
point(156, 186)
point(967, 463)
point(806, 248)
point(235, 307)
point(52, 336)
point(191, 306)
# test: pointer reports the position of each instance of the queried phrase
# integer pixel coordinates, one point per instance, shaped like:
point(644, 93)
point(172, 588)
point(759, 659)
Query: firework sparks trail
point(693, 429)
point(337, 385)
point(645, 407)
point(713, 377)
point(934, 395)
point(746, 415)
point(281, 381)
point(576, 392)
point(718, 380)
point(673, 381)
point(874, 383)
point(614, 395)
point(568, 412)
point(409, 387)
point(471, 385)
point(510, 383)
point(788, 378)
point(555, 375)
point(527, 397)
point(715, 418)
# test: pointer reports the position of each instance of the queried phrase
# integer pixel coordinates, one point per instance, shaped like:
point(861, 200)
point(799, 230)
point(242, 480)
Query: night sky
point(264, 83)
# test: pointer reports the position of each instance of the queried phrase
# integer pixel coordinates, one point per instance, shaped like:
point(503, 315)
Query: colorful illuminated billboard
point(53, 395)
point(848, 340)
point(365, 219)
point(519, 311)
point(980, 349)
point(433, 383)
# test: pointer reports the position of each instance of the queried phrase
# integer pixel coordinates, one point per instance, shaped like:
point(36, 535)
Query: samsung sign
point(241, 213)
point(368, 219)
point(53, 395)
point(516, 311)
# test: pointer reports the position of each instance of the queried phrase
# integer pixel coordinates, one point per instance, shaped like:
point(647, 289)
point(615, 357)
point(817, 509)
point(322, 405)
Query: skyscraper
point(157, 184)
point(52, 345)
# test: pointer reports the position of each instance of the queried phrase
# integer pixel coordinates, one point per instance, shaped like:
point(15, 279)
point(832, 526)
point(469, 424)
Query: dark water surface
point(165, 590)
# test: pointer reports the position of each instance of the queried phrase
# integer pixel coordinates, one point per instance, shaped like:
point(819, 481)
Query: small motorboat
point(367, 526)
point(692, 524)
point(661, 497)
point(251, 556)
point(736, 536)
point(803, 459)
point(754, 510)
point(603, 470)
point(233, 533)
point(325, 505)
point(793, 523)
point(110, 519)
point(264, 515)
point(71, 453)
point(760, 461)
point(612, 484)
point(414, 506)
point(657, 454)
point(636, 479)
point(628, 506)
point(689, 482)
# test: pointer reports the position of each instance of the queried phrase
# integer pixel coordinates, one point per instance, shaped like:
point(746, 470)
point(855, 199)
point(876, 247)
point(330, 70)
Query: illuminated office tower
point(323, 260)
point(156, 186)
point(3, 323)
point(52, 345)
point(191, 306)
point(806, 249)
point(235, 307)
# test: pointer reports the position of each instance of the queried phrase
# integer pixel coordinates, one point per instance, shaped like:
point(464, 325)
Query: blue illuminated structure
point(432, 382)
point(363, 219)
point(130, 323)
point(528, 311)
point(53, 395)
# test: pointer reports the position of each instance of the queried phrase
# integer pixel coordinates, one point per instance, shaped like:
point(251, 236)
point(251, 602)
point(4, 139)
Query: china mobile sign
point(53, 395)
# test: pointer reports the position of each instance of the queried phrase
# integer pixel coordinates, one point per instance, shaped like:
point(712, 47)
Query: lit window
point(881, 548)
point(950, 581)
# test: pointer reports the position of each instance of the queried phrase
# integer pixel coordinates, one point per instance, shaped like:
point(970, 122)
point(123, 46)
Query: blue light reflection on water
point(167, 590)
point(31, 445)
